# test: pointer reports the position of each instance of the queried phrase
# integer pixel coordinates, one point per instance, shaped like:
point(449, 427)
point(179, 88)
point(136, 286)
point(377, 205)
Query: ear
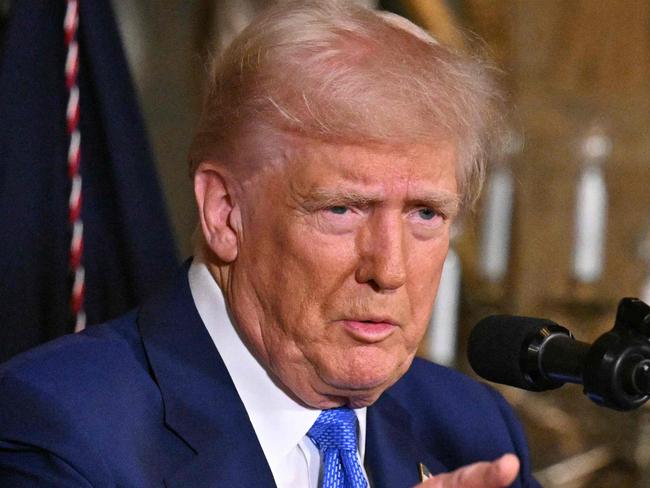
point(219, 213)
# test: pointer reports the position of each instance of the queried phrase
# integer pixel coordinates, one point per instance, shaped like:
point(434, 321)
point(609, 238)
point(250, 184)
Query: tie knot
point(335, 429)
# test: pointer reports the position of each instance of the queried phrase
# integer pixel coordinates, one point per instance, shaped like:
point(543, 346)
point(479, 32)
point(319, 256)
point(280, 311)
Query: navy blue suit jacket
point(145, 400)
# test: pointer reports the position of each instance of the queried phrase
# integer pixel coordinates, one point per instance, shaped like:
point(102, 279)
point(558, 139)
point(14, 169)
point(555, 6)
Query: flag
point(128, 247)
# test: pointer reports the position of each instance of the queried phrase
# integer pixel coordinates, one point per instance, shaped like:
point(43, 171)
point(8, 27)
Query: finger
point(504, 470)
point(496, 474)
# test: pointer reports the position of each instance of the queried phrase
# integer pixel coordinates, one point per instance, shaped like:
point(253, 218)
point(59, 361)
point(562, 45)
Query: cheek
point(425, 271)
point(297, 273)
point(318, 263)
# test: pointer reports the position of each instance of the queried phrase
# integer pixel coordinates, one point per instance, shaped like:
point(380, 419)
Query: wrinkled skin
point(330, 262)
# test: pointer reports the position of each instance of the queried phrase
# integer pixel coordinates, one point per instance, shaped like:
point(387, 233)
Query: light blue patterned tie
point(335, 435)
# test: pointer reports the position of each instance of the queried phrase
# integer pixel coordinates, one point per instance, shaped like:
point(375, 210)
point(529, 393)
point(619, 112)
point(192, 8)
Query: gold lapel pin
point(425, 474)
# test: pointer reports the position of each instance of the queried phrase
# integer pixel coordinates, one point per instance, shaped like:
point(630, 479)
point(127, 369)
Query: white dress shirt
point(280, 422)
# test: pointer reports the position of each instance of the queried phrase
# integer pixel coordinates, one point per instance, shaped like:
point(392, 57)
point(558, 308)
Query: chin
point(362, 388)
point(364, 380)
point(334, 397)
point(352, 400)
point(370, 369)
point(357, 390)
point(356, 380)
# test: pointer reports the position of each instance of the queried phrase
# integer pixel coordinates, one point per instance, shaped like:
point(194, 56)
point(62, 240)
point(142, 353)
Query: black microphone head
point(498, 347)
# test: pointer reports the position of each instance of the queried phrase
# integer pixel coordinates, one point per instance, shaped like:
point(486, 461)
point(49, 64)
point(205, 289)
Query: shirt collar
point(278, 420)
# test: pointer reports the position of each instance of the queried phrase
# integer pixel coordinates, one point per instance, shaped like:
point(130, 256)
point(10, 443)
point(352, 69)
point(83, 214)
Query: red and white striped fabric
point(70, 25)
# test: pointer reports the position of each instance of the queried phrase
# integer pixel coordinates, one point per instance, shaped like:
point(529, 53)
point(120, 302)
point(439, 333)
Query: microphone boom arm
point(559, 349)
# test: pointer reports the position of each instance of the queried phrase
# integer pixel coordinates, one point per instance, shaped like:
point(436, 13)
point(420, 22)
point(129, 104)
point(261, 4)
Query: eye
point(427, 213)
point(427, 221)
point(338, 209)
point(339, 219)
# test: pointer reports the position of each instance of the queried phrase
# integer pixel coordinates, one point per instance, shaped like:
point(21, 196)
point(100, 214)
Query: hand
point(496, 474)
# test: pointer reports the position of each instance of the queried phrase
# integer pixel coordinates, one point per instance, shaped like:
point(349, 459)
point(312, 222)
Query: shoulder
point(63, 402)
point(76, 377)
point(74, 359)
point(438, 392)
point(469, 419)
point(425, 376)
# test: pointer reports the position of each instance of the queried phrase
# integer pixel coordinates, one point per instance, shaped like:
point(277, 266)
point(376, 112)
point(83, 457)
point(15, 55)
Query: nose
point(382, 252)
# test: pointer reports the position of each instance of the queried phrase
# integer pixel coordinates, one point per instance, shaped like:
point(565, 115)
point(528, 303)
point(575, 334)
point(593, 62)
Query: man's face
point(340, 255)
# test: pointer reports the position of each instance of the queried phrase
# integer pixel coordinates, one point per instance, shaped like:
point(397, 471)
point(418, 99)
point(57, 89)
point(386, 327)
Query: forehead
point(383, 167)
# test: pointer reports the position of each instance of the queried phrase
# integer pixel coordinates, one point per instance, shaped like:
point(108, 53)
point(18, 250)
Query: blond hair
point(331, 70)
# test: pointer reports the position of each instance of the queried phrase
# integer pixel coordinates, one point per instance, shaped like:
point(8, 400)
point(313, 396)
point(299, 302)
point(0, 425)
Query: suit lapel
point(200, 401)
point(393, 448)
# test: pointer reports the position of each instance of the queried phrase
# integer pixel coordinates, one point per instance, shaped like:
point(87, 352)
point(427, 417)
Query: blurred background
point(563, 227)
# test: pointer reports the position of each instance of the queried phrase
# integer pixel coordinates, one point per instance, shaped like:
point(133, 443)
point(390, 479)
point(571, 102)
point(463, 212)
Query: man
point(336, 148)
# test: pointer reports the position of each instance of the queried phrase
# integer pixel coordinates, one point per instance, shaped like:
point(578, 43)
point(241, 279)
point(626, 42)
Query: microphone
point(525, 352)
point(538, 354)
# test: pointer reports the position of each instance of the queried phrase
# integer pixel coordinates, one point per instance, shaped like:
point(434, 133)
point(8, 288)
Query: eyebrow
point(447, 203)
point(330, 197)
